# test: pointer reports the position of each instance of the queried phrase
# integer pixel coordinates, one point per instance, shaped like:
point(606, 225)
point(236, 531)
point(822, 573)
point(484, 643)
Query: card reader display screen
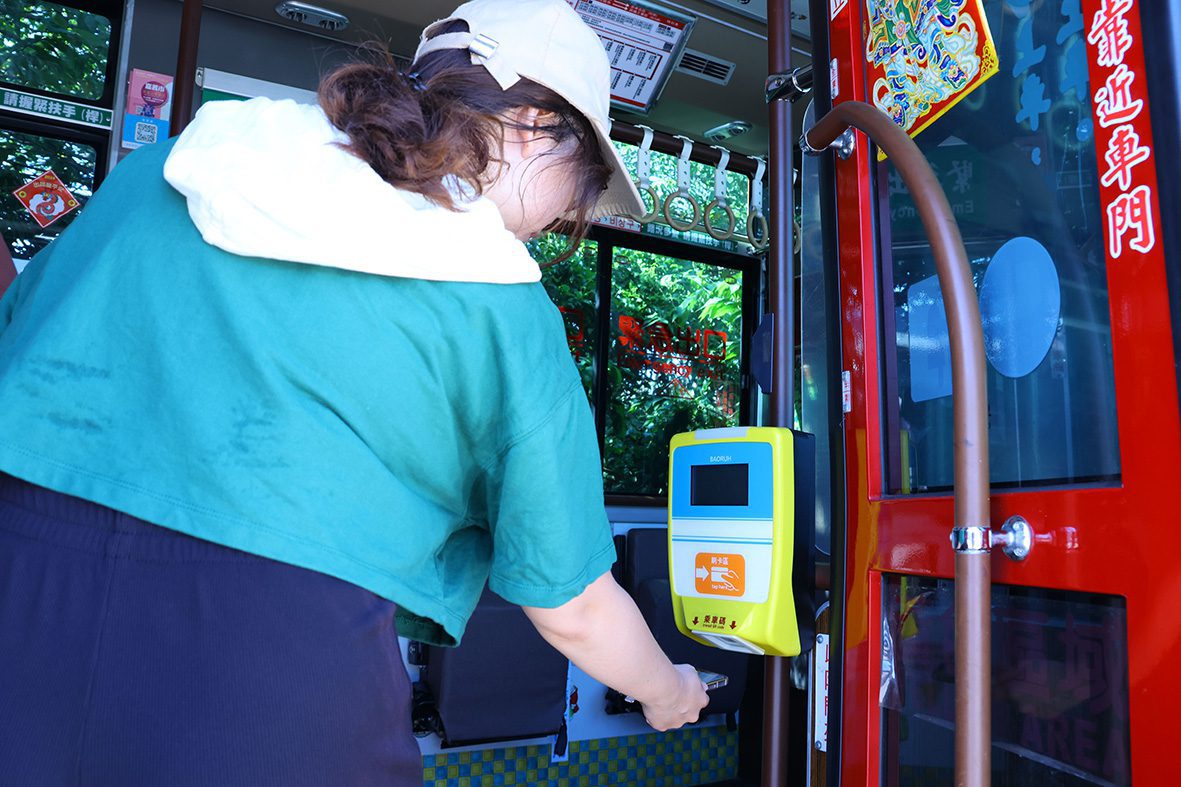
point(719, 485)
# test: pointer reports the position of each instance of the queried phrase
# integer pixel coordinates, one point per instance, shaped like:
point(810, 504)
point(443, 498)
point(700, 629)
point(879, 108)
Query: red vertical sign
point(1123, 133)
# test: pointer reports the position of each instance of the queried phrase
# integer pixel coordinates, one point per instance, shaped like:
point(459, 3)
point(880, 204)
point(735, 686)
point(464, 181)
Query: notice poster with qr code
point(149, 105)
point(643, 42)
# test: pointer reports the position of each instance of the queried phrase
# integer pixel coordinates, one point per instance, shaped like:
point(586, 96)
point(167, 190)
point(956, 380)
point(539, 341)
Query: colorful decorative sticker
point(1123, 133)
point(46, 198)
point(924, 56)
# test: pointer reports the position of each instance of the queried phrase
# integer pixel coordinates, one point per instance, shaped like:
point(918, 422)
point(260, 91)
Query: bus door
point(1053, 174)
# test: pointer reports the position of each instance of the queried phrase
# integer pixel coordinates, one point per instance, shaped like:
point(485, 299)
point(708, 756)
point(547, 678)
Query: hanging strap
point(644, 160)
point(684, 178)
point(720, 183)
point(756, 186)
point(683, 166)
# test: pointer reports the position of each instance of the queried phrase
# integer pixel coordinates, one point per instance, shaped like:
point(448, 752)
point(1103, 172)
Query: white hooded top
point(270, 179)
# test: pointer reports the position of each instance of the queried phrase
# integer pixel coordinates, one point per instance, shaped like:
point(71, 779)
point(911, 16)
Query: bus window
point(1017, 161)
point(54, 48)
point(674, 366)
point(572, 287)
point(23, 157)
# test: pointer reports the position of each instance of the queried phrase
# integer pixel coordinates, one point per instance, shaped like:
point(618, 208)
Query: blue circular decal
point(1020, 303)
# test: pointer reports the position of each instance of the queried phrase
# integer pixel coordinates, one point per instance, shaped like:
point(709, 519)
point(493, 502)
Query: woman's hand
point(682, 707)
point(602, 632)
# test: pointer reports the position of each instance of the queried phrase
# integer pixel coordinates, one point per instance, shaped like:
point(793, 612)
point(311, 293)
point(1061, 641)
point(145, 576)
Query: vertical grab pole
point(186, 67)
point(971, 535)
point(780, 281)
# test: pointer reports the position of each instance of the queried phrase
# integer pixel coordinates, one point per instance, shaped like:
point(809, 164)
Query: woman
point(286, 373)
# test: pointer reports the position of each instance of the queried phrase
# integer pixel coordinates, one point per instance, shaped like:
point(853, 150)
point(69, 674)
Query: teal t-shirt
point(414, 438)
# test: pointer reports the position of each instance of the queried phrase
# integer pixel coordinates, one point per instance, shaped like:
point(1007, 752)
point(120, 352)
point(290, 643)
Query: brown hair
point(445, 118)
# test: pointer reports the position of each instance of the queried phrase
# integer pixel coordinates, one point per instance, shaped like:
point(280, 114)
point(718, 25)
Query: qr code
point(145, 133)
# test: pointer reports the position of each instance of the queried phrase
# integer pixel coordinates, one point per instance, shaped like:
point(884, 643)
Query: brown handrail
point(667, 143)
point(186, 67)
point(971, 534)
point(780, 306)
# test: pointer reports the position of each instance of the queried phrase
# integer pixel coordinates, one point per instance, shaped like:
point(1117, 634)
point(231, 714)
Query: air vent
point(312, 15)
point(705, 67)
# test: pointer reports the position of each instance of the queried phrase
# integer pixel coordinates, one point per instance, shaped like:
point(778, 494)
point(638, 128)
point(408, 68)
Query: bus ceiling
point(729, 46)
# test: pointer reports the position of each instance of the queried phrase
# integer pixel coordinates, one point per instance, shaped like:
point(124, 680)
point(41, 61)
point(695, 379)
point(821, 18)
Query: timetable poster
point(642, 43)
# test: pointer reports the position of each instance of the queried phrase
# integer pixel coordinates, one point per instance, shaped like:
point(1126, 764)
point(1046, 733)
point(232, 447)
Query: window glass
point(1059, 687)
point(572, 286)
point(675, 351)
point(24, 157)
point(55, 48)
point(1017, 161)
point(701, 186)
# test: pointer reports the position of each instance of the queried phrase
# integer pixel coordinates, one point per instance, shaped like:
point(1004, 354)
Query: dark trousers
point(131, 655)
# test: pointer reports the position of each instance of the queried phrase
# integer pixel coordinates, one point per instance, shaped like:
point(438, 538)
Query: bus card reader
point(741, 509)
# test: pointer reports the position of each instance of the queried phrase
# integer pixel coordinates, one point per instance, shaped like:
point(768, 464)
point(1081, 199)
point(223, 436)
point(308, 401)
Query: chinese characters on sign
point(924, 56)
point(641, 44)
point(1123, 135)
point(54, 109)
point(46, 198)
point(680, 361)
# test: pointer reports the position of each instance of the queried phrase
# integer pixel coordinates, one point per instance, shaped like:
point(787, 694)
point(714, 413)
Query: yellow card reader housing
point(741, 513)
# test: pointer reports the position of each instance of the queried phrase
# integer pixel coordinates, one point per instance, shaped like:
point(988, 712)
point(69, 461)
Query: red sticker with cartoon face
point(46, 198)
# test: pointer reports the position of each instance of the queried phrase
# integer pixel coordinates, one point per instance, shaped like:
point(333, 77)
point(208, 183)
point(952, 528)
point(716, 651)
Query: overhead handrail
point(971, 536)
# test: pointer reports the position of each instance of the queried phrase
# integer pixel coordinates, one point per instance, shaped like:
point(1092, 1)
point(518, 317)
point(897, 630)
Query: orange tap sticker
point(720, 575)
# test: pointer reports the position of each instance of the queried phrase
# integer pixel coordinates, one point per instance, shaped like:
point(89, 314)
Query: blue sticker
point(1071, 9)
point(1035, 156)
point(1020, 304)
point(1033, 101)
point(1086, 128)
point(930, 346)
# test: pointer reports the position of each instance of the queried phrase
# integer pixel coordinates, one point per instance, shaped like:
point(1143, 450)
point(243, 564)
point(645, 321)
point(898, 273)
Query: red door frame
point(1117, 550)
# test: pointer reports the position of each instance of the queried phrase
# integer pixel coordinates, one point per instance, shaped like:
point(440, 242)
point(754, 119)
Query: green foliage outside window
point(674, 354)
point(571, 286)
point(686, 373)
point(54, 48)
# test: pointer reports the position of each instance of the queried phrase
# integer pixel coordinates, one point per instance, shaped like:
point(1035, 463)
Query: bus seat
point(646, 578)
point(503, 682)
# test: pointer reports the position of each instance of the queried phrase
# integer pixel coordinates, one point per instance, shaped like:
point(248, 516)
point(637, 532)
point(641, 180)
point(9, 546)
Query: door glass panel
point(816, 340)
point(23, 157)
point(572, 286)
point(54, 48)
point(1059, 686)
point(675, 351)
point(1017, 161)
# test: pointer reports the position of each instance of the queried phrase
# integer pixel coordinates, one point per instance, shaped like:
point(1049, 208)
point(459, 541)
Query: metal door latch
point(1015, 538)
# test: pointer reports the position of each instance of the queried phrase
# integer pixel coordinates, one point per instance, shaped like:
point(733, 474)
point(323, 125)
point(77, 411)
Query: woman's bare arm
point(604, 634)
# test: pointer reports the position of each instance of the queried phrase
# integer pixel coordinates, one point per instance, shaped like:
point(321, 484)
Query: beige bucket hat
point(546, 41)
